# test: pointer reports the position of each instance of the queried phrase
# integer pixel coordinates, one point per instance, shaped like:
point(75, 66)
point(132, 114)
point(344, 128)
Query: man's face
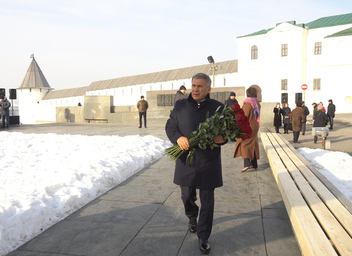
point(199, 89)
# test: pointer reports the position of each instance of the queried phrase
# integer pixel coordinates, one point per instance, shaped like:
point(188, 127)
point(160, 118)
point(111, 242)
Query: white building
point(279, 60)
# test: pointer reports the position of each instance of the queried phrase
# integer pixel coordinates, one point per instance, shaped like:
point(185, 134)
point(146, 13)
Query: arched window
point(254, 52)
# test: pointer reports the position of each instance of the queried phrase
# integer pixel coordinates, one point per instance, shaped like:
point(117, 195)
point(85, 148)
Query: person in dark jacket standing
point(142, 106)
point(331, 113)
point(231, 100)
point(306, 113)
point(320, 120)
point(315, 109)
point(5, 112)
point(180, 94)
point(277, 117)
point(205, 173)
point(297, 117)
point(286, 112)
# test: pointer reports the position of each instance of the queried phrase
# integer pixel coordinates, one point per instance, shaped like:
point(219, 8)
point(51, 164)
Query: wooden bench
point(321, 223)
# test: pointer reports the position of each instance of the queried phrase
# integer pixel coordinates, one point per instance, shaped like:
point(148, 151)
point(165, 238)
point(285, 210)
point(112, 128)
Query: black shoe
point(192, 225)
point(140, 127)
point(204, 246)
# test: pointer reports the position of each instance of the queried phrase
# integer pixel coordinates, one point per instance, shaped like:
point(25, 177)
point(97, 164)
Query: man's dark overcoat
point(179, 96)
point(206, 172)
point(320, 119)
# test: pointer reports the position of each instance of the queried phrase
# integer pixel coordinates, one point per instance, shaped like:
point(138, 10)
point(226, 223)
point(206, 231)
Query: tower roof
point(34, 77)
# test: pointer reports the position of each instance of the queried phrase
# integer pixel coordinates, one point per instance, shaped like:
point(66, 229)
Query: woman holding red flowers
point(249, 148)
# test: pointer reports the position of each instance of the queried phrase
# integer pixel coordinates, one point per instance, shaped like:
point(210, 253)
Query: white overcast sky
point(76, 42)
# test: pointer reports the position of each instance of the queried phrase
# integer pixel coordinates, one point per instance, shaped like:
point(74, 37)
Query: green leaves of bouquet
point(221, 123)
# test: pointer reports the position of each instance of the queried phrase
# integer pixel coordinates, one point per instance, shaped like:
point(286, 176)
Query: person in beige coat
point(249, 149)
point(142, 106)
point(297, 117)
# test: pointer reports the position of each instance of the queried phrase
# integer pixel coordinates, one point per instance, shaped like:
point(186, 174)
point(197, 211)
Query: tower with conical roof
point(30, 93)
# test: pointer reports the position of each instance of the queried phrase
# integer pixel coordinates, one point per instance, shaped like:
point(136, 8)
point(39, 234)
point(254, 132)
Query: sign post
point(304, 87)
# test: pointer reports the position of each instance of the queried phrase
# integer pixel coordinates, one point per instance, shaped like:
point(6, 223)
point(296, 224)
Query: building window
point(283, 84)
point(316, 84)
point(317, 48)
point(254, 52)
point(284, 50)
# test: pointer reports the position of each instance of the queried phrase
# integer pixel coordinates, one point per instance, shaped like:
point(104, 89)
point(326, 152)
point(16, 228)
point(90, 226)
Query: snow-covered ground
point(46, 177)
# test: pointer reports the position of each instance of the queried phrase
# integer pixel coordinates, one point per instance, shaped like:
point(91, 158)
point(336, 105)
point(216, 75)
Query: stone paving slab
point(144, 215)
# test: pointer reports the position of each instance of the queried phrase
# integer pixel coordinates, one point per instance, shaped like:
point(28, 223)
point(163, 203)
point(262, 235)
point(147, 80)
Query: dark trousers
point(141, 114)
point(277, 129)
point(5, 117)
point(304, 128)
point(331, 120)
point(248, 162)
point(295, 136)
point(206, 213)
point(286, 128)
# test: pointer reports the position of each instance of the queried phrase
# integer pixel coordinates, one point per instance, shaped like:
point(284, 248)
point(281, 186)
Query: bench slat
point(310, 237)
point(327, 220)
point(335, 206)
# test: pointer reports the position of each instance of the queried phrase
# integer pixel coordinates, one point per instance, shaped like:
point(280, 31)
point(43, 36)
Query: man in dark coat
point(231, 100)
point(180, 94)
point(331, 113)
point(205, 173)
point(320, 120)
point(306, 113)
point(5, 112)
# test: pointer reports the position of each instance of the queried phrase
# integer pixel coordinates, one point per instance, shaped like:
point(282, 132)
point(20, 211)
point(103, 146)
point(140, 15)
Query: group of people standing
point(296, 119)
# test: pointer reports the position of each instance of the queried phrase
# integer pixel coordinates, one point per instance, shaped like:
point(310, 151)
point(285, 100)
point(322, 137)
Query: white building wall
point(301, 65)
point(333, 67)
point(30, 109)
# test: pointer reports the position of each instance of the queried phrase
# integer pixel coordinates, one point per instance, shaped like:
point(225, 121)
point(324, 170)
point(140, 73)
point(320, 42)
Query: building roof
point(330, 21)
point(66, 93)
point(230, 66)
point(34, 77)
point(346, 32)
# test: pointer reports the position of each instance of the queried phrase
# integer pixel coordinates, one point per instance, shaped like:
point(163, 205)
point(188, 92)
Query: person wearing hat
point(306, 112)
point(231, 100)
point(180, 94)
point(315, 109)
point(4, 106)
point(142, 106)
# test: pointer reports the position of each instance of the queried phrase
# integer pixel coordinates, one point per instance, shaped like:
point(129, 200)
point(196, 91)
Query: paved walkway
point(144, 215)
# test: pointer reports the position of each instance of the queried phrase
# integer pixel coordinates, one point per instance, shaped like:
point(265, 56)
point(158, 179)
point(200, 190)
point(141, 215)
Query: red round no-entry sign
point(304, 86)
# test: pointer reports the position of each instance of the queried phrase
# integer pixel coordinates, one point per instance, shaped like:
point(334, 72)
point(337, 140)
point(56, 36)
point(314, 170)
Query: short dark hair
point(203, 76)
point(299, 103)
point(142, 97)
point(251, 92)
